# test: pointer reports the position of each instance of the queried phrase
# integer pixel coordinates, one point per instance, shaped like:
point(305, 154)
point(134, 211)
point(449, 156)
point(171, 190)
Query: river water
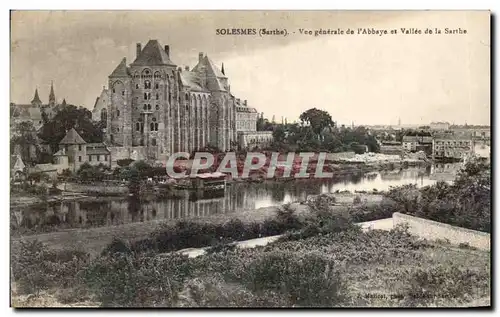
point(99, 212)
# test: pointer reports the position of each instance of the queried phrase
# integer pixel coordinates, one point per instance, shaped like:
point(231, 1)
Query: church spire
point(52, 96)
point(222, 70)
point(36, 100)
point(64, 102)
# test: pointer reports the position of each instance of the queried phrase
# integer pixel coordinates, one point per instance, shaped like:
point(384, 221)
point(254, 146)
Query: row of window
point(147, 106)
point(453, 142)
point(147, 85)
point(146, 73)
point(98, 158)
point(139, 126)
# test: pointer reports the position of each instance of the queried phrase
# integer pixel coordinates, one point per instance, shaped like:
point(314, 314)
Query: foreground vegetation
point(331, 268)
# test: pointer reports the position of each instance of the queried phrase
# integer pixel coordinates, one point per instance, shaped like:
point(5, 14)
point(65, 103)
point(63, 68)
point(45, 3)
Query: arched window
point(137, 126)
point(157, 107)
point(157, 75)
point(147, 84)
point(136, 86)
point(117, 113)
point(146, 73)
point(145, 107)
point(149, 106)
point(157, 96)
point(104, 115)
point(136, 75)
point(153, 142)
point(157, 86)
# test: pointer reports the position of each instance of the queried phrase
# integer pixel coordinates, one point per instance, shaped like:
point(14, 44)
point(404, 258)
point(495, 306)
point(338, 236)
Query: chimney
point(138, 50)
point(187, 68)
point(200, 57)
point(167, 50)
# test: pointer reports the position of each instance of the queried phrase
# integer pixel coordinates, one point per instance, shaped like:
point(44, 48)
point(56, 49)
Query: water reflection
point(238, 197)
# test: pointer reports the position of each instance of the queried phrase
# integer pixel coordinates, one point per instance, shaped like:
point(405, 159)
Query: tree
point(317, 119)
point(24, 137)
point(279, 134)
point(71, 117)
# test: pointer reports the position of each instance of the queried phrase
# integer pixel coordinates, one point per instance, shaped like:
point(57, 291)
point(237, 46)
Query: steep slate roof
point(211, 65)
point(153, 54)
point(189, 79)
point(212, 71)
point(121, 70)
point(36, 99)
point(72, 137)
point(453, 136)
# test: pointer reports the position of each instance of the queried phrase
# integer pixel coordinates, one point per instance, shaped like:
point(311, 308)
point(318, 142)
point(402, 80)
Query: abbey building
point(154, 108)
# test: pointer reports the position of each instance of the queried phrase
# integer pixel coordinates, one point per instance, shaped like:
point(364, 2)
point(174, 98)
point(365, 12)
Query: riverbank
point(93, 240)
point(20, 201)
point(340, 169)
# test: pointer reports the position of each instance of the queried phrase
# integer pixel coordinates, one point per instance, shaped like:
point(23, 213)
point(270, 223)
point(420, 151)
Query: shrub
point(124, 162)
point(356, 200)
point(125, 280)
point(430, 285)
point(36, 268)
point(310, 280)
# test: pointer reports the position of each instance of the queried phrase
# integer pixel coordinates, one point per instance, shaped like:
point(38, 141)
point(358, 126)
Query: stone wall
point(120, 153)
point(103, 188)
point(434, 230)
point(340, 156)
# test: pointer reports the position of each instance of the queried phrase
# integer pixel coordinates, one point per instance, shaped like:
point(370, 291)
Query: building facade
point(36, 110)
point(439, 126)
point(74, 152)
point(155, 108)
point(454, 146)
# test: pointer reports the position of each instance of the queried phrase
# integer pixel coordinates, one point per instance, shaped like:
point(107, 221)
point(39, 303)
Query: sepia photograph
point(250, 159)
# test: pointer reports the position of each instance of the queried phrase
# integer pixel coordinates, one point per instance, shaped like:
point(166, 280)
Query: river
point(99, 212)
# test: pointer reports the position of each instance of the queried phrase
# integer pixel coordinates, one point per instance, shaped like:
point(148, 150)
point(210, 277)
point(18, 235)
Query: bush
point(36, 268)
point(126, 280)
point(430, 285)
point(356, 200)
point(310, 280)
point(124, 162)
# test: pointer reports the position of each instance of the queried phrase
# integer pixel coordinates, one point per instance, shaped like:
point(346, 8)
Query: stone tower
point(36, 102)
point(52, 96)
point(160, 108)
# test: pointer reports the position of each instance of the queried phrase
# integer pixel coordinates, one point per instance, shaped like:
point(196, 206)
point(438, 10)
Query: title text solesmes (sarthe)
point(339, 31)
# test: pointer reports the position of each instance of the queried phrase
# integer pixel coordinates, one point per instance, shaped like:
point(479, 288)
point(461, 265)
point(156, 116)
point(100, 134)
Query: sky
point(365, 79)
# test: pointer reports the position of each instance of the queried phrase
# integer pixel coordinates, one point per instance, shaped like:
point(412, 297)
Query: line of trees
point(318, 132)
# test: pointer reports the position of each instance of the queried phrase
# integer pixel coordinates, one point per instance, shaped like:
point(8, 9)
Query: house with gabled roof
point(74, 151)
